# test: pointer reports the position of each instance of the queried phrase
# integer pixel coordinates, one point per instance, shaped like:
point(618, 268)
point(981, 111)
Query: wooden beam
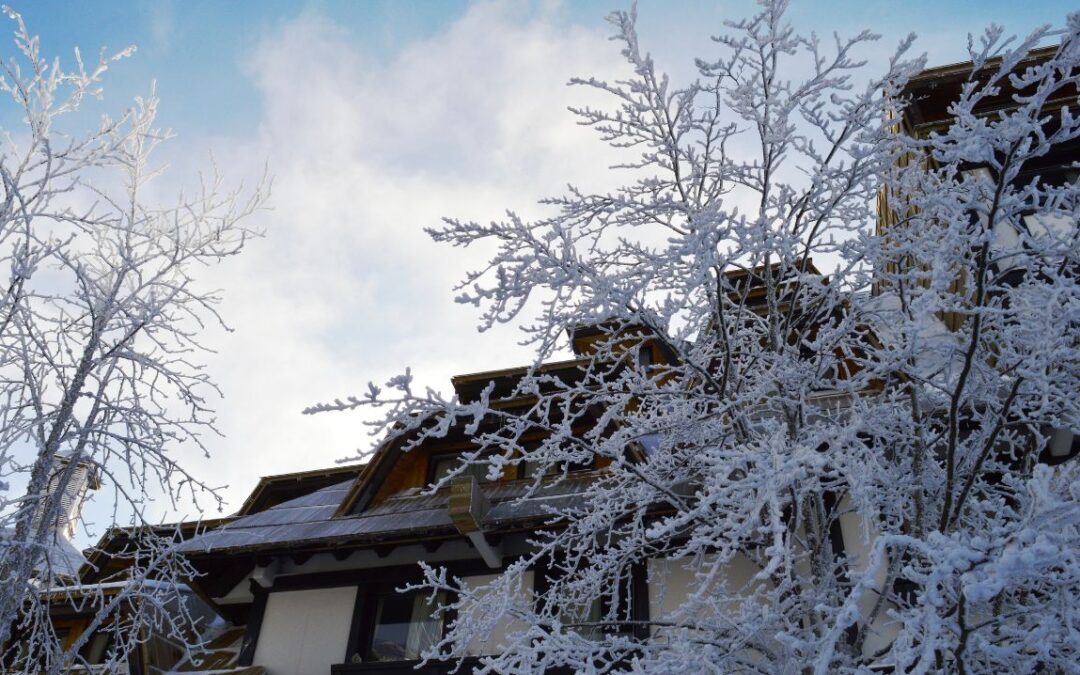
point(467, 510)
point(254, 625)
point(467, 506)
point(360, 629)
point(639, 599)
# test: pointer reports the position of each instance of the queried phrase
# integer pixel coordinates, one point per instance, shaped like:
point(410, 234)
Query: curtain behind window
point(426, 627)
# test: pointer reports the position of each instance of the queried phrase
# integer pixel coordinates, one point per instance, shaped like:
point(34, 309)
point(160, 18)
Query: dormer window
point(443, 465)
point(531, 469)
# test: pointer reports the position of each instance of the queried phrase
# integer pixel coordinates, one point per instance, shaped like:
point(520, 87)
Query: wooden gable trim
point(370, 479)
point(962, 69)
point(925, 86)
point(517, 371)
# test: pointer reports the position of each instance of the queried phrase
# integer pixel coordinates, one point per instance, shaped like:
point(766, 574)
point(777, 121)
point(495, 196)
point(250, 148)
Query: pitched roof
point(274, 490)
point(310, 521)
point(933, 90)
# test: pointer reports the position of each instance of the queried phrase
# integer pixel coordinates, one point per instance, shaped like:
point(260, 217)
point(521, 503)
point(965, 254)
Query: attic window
point(531, 468)
point(443, 465)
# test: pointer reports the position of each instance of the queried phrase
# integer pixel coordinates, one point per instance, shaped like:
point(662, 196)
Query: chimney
point(84, 478)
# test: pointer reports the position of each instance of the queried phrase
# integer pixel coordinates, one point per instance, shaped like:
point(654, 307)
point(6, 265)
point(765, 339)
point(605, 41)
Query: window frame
point(633, 601)
point(519, 471)
point(362, 630)
point(435, 458)
point(377, 594)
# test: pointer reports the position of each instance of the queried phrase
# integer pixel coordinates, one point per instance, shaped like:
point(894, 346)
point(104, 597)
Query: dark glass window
point(406, 624)
point(589, 616)
point(62, 636)
point(442, 465)
point(532, 469)
point(96, 649)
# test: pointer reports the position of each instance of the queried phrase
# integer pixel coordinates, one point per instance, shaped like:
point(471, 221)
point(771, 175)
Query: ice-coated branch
point(101, 319)
point(837, 463)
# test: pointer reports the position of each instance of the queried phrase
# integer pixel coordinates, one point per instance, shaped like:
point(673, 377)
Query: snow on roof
point(61, 557)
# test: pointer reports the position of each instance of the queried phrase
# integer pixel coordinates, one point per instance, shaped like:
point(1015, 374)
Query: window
point(617, 606)
point(62, 635)
point(499, 637)
point(406, 625)
point(590, 615)
point(530, 469)
point(442, 465)
point(96, 649)
point(645, 356)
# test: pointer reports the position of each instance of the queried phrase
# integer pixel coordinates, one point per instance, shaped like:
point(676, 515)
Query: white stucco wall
point(859, 536)
point(305, 632)
point(1008, 241)
point(671, 582)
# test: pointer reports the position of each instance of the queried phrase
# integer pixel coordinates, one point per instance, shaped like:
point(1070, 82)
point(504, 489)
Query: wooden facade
point(926, 112)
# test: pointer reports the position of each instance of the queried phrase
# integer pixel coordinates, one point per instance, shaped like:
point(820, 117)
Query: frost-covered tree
point(101, 315)
point(837, 470)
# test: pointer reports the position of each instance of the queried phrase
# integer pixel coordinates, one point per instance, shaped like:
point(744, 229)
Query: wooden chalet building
point(76, 585)
point(306, 572)
point(930, 94)
point(313, 579)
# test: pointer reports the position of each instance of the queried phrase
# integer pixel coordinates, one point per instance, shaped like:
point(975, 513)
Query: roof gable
point(274, 490)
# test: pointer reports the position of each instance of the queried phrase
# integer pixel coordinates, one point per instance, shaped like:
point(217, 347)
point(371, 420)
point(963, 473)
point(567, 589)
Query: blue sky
point(199, 49)
point(377, 119)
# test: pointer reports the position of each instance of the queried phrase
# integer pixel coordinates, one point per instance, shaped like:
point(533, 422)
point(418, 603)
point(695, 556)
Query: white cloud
point(161, 22)
point(366, 152)
point(367, 149)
